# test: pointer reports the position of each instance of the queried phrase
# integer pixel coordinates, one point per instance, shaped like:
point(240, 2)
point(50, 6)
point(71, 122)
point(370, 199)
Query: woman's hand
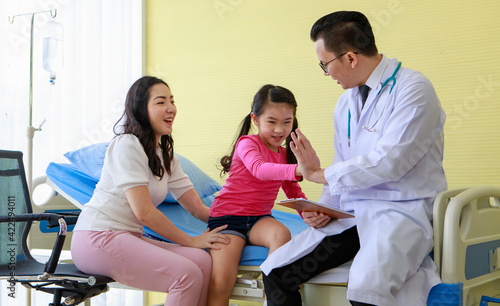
point(208, 239)
point(313, 219)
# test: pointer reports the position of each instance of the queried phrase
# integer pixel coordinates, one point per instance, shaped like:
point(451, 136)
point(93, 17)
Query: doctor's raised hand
point(308, 162)
point(310, 167)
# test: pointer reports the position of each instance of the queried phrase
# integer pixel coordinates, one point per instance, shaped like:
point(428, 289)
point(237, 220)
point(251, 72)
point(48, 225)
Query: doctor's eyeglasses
point(325, 65)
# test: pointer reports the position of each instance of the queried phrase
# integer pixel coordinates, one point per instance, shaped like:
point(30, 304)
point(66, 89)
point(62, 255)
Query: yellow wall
point(216, 54)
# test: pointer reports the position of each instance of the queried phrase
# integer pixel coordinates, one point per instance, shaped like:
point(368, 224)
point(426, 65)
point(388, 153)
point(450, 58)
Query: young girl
point(139, 169)
point(258, 166)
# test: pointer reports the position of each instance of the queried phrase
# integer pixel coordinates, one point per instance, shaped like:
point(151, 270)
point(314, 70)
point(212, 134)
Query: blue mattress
point(80, 187)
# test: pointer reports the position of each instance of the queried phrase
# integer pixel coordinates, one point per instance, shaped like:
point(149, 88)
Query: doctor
point(387, 169)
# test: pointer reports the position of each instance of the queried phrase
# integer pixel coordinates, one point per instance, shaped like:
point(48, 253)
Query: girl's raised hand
point(208, 239)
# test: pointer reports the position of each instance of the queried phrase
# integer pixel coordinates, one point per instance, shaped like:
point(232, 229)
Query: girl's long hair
point(135, 121)
point(266, 94)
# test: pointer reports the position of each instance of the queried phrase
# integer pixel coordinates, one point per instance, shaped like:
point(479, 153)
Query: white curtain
point(103, 54)
point(102, 57)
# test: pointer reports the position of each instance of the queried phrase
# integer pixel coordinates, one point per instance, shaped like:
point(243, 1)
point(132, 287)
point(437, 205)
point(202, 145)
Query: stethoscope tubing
point(377, 98)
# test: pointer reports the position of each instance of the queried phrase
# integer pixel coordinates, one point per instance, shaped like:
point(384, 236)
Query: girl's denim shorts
point(236, 225)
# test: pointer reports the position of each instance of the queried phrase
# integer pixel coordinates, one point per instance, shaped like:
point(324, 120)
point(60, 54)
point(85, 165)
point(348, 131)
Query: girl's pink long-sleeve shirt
point(254, 180)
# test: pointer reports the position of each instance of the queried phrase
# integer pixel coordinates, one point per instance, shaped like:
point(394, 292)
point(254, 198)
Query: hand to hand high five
point(308, 162)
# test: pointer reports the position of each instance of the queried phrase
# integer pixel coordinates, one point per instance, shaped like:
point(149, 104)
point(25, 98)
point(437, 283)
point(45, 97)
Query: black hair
point(136, 122)
point(345, 31)
point(266, 94)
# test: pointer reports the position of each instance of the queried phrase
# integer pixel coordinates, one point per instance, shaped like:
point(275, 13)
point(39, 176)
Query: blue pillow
point(203, 184)
point(90, 160)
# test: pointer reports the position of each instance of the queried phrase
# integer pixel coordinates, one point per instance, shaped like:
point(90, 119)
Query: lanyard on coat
point(377, 98)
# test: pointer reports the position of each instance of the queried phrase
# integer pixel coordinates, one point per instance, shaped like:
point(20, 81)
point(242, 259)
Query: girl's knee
point(282, 236)
point(221, 285)
point(279, 238)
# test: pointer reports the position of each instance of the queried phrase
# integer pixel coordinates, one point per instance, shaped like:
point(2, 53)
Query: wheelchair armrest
point(51, 264)
point(69, 215)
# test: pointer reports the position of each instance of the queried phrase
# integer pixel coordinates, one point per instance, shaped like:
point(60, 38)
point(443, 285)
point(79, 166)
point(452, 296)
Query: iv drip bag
point(53, 49)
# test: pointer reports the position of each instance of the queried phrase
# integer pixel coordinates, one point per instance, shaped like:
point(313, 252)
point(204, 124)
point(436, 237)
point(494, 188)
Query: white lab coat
point(389, 178)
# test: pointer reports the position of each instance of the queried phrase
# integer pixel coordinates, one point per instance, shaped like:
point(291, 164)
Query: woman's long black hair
point(136, 122)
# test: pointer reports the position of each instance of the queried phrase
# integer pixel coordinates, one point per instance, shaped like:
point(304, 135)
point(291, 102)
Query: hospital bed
point(466, 225)
point(76, 182)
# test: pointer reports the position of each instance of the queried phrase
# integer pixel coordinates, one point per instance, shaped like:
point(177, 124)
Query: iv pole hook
point(52, 14)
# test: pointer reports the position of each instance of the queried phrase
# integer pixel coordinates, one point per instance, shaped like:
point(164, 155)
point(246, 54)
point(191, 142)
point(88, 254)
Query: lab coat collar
point(376, 78)
point(374, 82)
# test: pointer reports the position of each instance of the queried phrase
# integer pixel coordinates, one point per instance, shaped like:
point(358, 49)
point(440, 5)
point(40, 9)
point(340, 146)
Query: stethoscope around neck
point(368, 127)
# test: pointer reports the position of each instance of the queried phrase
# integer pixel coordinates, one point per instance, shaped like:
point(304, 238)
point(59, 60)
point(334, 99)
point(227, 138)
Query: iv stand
point(30, 131)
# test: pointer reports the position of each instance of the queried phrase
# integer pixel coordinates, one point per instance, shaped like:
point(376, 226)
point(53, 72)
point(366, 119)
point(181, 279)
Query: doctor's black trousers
point(282, 284)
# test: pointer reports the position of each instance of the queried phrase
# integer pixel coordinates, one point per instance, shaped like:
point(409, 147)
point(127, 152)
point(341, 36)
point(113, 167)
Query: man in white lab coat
point(387, 169)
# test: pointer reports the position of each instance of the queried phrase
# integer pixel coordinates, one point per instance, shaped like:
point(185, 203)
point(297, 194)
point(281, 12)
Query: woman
point(139, 169)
